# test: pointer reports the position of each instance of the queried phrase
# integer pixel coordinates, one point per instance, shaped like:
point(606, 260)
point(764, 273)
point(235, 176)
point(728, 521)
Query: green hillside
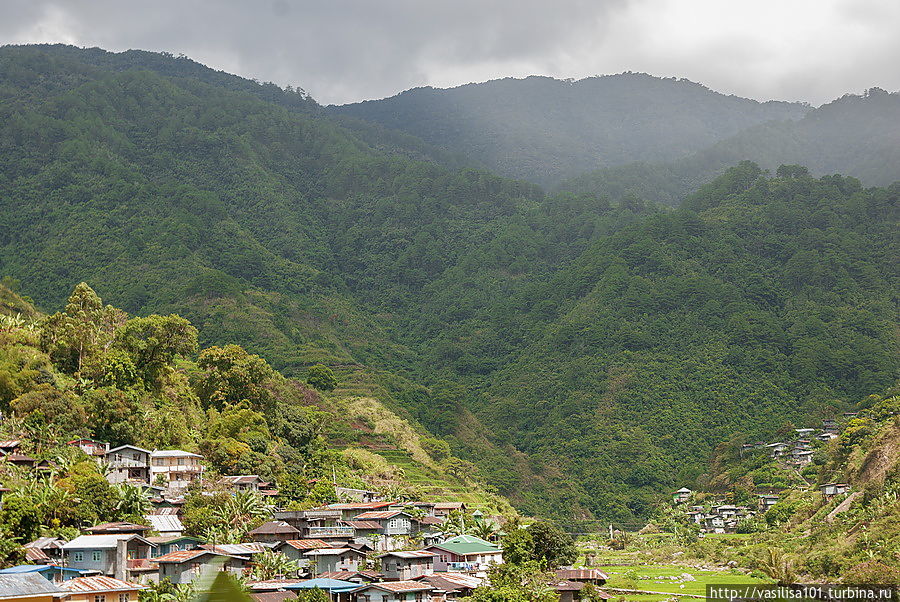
point(578, 355)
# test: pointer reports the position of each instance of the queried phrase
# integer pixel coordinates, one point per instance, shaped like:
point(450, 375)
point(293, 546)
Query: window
point(78, 557)
point(100, 598)
point(123, 597)
point(96, 555)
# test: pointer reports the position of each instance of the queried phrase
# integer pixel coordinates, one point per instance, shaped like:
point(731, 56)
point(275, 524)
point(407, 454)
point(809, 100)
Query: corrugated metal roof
point(348, 575)
point(118, 527)
point(180, 556)
point(409, 554)
point(236, 549)
point(307, 544)
point(580, 574)
point(398, 586)
point(100, 584)
point(274, 527)
point(332, 552)
point(165, 523)
point(357, 506)
point(273, 596)
point(173, 453)
point(10, 443)
point(362, 524)
point(25, 585)
point(92, 542)
point(378, 515)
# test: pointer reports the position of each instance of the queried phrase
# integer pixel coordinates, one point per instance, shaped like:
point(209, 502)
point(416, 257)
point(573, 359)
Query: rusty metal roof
point(100, 584)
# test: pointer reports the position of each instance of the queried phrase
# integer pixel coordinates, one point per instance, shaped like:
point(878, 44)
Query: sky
point(344, 51)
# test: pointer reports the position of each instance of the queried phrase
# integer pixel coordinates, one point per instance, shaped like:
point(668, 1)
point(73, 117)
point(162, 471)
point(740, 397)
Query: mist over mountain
point(543, 129)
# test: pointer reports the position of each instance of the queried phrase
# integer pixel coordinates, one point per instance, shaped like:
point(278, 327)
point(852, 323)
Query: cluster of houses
point(720, 517)
point(356, 550)
point(798, 451)
point(115, 561)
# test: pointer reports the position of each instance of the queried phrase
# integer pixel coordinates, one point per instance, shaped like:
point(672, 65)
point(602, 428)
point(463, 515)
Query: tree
point(78, 334)
point(542, 542)
point(231, 375)
point(321, 378)
point(516, 583)
point(154, 342)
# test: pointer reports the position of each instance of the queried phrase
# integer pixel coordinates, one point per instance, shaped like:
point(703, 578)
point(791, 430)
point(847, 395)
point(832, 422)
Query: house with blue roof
point(338, 590)
point(52, 573)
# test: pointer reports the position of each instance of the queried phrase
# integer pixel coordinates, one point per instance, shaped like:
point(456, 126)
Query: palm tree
point(484, 529)
point(270, 565)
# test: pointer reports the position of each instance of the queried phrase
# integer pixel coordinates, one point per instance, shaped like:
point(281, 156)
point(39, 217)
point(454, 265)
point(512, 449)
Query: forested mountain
point(607, 346)
point(853, 135)
point(543, 129)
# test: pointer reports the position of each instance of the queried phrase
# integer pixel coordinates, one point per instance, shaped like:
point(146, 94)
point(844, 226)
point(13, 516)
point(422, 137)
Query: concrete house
point(405, 565)
point(330, 560)
point(187, 565)
point(101, 589)
point(351, 511)
point(465, 553)
point(113, 555)
point(177, 468)
point(128, 464)
point(766, 501)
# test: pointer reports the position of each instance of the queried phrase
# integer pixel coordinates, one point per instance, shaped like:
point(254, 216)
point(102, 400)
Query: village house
point(405, 565)
point(175, 468)
point(114, 555)
point(800, 456)
point(187, 565)
point(776, 450)
point(338, 591)
point(128, 464)
point(465, 553)
point(682, 495)
point(766, 501)
point(28, 587)
point(173, 543)
point(395, 591)
point(95, 449)
point(328, 560)
point(101, 589)
point(392, 523)
point(829, 425)
point(443, 509)
point(248, 550)
point(454, 586)
point(347, 494)
point(832, 489)
point(247, 482)
point(826, 436)
point(52, 573)
point(274, 531)
point(351, 511)
point(359, 577)
point(295, 548)
point(44, 550)
point(167, 525)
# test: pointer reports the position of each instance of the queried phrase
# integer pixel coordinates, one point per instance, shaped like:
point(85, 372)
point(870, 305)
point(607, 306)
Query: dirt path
point(842, 506)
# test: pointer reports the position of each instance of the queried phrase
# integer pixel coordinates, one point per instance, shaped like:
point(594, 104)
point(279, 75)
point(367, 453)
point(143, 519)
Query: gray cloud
point(348, 50)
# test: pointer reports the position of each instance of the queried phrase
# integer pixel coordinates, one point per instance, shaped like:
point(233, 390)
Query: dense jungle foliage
point(585, 353)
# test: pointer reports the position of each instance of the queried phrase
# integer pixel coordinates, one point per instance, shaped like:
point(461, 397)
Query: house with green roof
point(465, 553)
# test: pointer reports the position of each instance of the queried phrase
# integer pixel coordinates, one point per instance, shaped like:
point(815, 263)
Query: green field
point(665, 578)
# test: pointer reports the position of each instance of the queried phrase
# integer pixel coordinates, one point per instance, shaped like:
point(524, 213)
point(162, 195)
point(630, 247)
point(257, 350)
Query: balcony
point(138, 564)
point(325, 514)
point(331, 532)
point(127, 463)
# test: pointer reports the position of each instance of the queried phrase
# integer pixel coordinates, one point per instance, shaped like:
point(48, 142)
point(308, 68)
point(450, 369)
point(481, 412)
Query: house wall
point(110, 596)
point(105, 564)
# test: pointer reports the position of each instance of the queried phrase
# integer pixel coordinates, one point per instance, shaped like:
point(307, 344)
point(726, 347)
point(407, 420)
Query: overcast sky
point(347, 50)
